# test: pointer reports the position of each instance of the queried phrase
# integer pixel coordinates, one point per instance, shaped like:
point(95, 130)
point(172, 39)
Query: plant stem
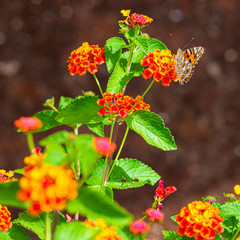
point(99, 86)
point(119, 151)
point(108, 158)
point(48, 230)
point(236, 234)
point(30, 141)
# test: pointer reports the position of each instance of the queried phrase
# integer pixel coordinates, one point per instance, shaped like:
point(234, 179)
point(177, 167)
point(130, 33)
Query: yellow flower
point(237, 189)
point(126, 13)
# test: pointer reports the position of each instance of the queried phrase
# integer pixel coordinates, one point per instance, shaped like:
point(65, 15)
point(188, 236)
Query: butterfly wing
point(186, 61)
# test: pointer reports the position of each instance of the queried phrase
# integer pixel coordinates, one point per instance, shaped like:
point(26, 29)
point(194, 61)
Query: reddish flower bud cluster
point(5, 218)
point(154, 215)
point(138, 227)
point(199, 220)
point(117, 104)
point(160, 65)
point(28, 123)
point(86, 58)
point(104, 146)
point(135, 19)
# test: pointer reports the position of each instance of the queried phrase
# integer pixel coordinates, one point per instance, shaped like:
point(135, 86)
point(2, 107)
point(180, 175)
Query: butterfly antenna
point(188, 43)
point(173, 40)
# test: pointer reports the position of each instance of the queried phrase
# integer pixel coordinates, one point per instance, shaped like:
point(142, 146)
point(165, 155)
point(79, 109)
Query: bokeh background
point(36, 39)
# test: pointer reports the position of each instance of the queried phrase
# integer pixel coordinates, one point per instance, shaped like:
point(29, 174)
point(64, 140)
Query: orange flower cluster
point(46, 187)
point(237, 190)
point(160, 65)
point(28, 123)
point(117, 104)
point(5, 218)
point(135, 19)
point(199, 220)
point(108, 232)
point(104, 146)
point(86, 58)
point(6, 176)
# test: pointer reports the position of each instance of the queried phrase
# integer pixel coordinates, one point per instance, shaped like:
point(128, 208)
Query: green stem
point(236, 234)
point(99, 86)
point(48, 230)
point(119, 151)
point(108, 159)
point(30, 141)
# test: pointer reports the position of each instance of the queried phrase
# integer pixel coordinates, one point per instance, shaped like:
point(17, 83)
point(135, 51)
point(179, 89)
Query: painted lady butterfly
point(186, 61)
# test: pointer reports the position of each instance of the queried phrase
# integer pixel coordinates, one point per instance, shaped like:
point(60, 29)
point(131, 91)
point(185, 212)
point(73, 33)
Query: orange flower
point(46, 187)
point(135, 19)
point(104, 146)
point(160, 65)
point(117, 104)
point(6, 176)
point(28, 123)
point(108, 232)
point(5, 218)
point(86, 58)
point(138, 227)
point(199, 220)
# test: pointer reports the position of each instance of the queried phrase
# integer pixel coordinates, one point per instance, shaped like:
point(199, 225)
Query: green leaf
point(97, 128)
point(75, 231)
point(93, 204)
point(14, 233)
point(83, 110)
point(55, 138)
point(19, 171)
point(151, 127)
point(149, 44)
point(8, 195)
point(230, 209)
point(127, 34)
point(105, 190)
point(136, 174)
point(64, 101)
point(113, 50)
point(230, 225)
point(169, 235)
point(136, 67)
point(47, 118)
point(37, 224)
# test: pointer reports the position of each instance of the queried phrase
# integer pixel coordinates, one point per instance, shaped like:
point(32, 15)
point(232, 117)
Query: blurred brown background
point(36, 38)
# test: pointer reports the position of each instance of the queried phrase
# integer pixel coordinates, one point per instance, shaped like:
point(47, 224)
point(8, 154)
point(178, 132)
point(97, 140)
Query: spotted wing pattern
point(186, 61)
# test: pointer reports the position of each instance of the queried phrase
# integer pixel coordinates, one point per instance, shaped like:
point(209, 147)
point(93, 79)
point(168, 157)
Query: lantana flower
point(135, 19)
point(5, 219)
point(117, 104)
point(138, 227)
point(104, 146)
point(46, 187)
point(154, 215)
point(160, 65)
point(85, 59)
point(199, 220)
point(108, 232)
point(237, 189)
point(28, 123)
point(6, 176)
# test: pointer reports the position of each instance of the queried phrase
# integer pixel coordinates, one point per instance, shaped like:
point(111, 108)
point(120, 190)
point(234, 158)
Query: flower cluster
point(199, 220)
point(161, 193)
point(5, 218)
point(135, 19)
point(86, 58)
point(108, 232)
point(6, 176)
point(237, 189)
point(46, 187)
point(138, 227)
point(160, 65)
point(117, 104)
point(104, 146)
point(28, 123)
point(154, 215)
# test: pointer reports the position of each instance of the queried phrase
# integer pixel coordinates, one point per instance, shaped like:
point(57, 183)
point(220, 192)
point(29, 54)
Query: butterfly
point(186, 61)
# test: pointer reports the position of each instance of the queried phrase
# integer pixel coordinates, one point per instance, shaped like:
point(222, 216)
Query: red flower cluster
point(154, 215)
point(117, 104)
point(135, 19)
point(160, 65)
point(104, 146)
point(86, 58)
point(199, 220)
point(5, 218)
point(138, 227)
point(28, 123)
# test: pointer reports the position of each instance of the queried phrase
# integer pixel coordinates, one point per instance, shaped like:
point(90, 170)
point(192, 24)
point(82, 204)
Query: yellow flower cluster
point(46, 187)
point(108, 232)
point(6, 176)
